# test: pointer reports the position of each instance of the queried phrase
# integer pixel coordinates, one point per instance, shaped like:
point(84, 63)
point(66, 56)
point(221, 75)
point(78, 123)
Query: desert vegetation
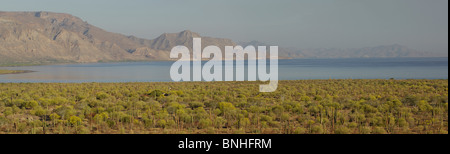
point(297, 107)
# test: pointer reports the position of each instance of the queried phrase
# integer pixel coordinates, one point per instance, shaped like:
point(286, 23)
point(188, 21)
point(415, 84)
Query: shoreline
point(6, 72)
point(221, 82)
point(174, 60)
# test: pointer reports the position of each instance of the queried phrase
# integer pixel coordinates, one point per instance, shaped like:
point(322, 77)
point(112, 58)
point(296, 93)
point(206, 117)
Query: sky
point(418, 24)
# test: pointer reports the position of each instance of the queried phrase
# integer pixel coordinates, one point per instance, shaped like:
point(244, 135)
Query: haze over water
point(295, 69)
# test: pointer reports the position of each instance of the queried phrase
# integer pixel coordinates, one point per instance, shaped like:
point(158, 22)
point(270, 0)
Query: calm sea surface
point(295, 69)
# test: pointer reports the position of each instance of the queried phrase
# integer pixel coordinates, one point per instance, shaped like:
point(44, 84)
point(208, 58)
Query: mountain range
point(48, 38)
point(384, 51)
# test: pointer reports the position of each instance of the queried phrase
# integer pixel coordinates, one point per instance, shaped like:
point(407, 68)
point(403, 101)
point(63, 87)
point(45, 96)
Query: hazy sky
point(418, 24)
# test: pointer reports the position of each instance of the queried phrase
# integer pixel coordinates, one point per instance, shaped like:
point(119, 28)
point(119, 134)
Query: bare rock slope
point(45, 37)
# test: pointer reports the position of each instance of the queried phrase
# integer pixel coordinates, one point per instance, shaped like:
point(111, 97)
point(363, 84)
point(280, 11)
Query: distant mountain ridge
point(387, 51)
point(47, 38)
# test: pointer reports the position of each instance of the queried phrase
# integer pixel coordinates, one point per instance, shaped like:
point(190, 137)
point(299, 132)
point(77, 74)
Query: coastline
point(174, 60)
point(6, 72)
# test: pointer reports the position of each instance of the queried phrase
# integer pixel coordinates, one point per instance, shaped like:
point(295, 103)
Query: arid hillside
point(45, 37)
